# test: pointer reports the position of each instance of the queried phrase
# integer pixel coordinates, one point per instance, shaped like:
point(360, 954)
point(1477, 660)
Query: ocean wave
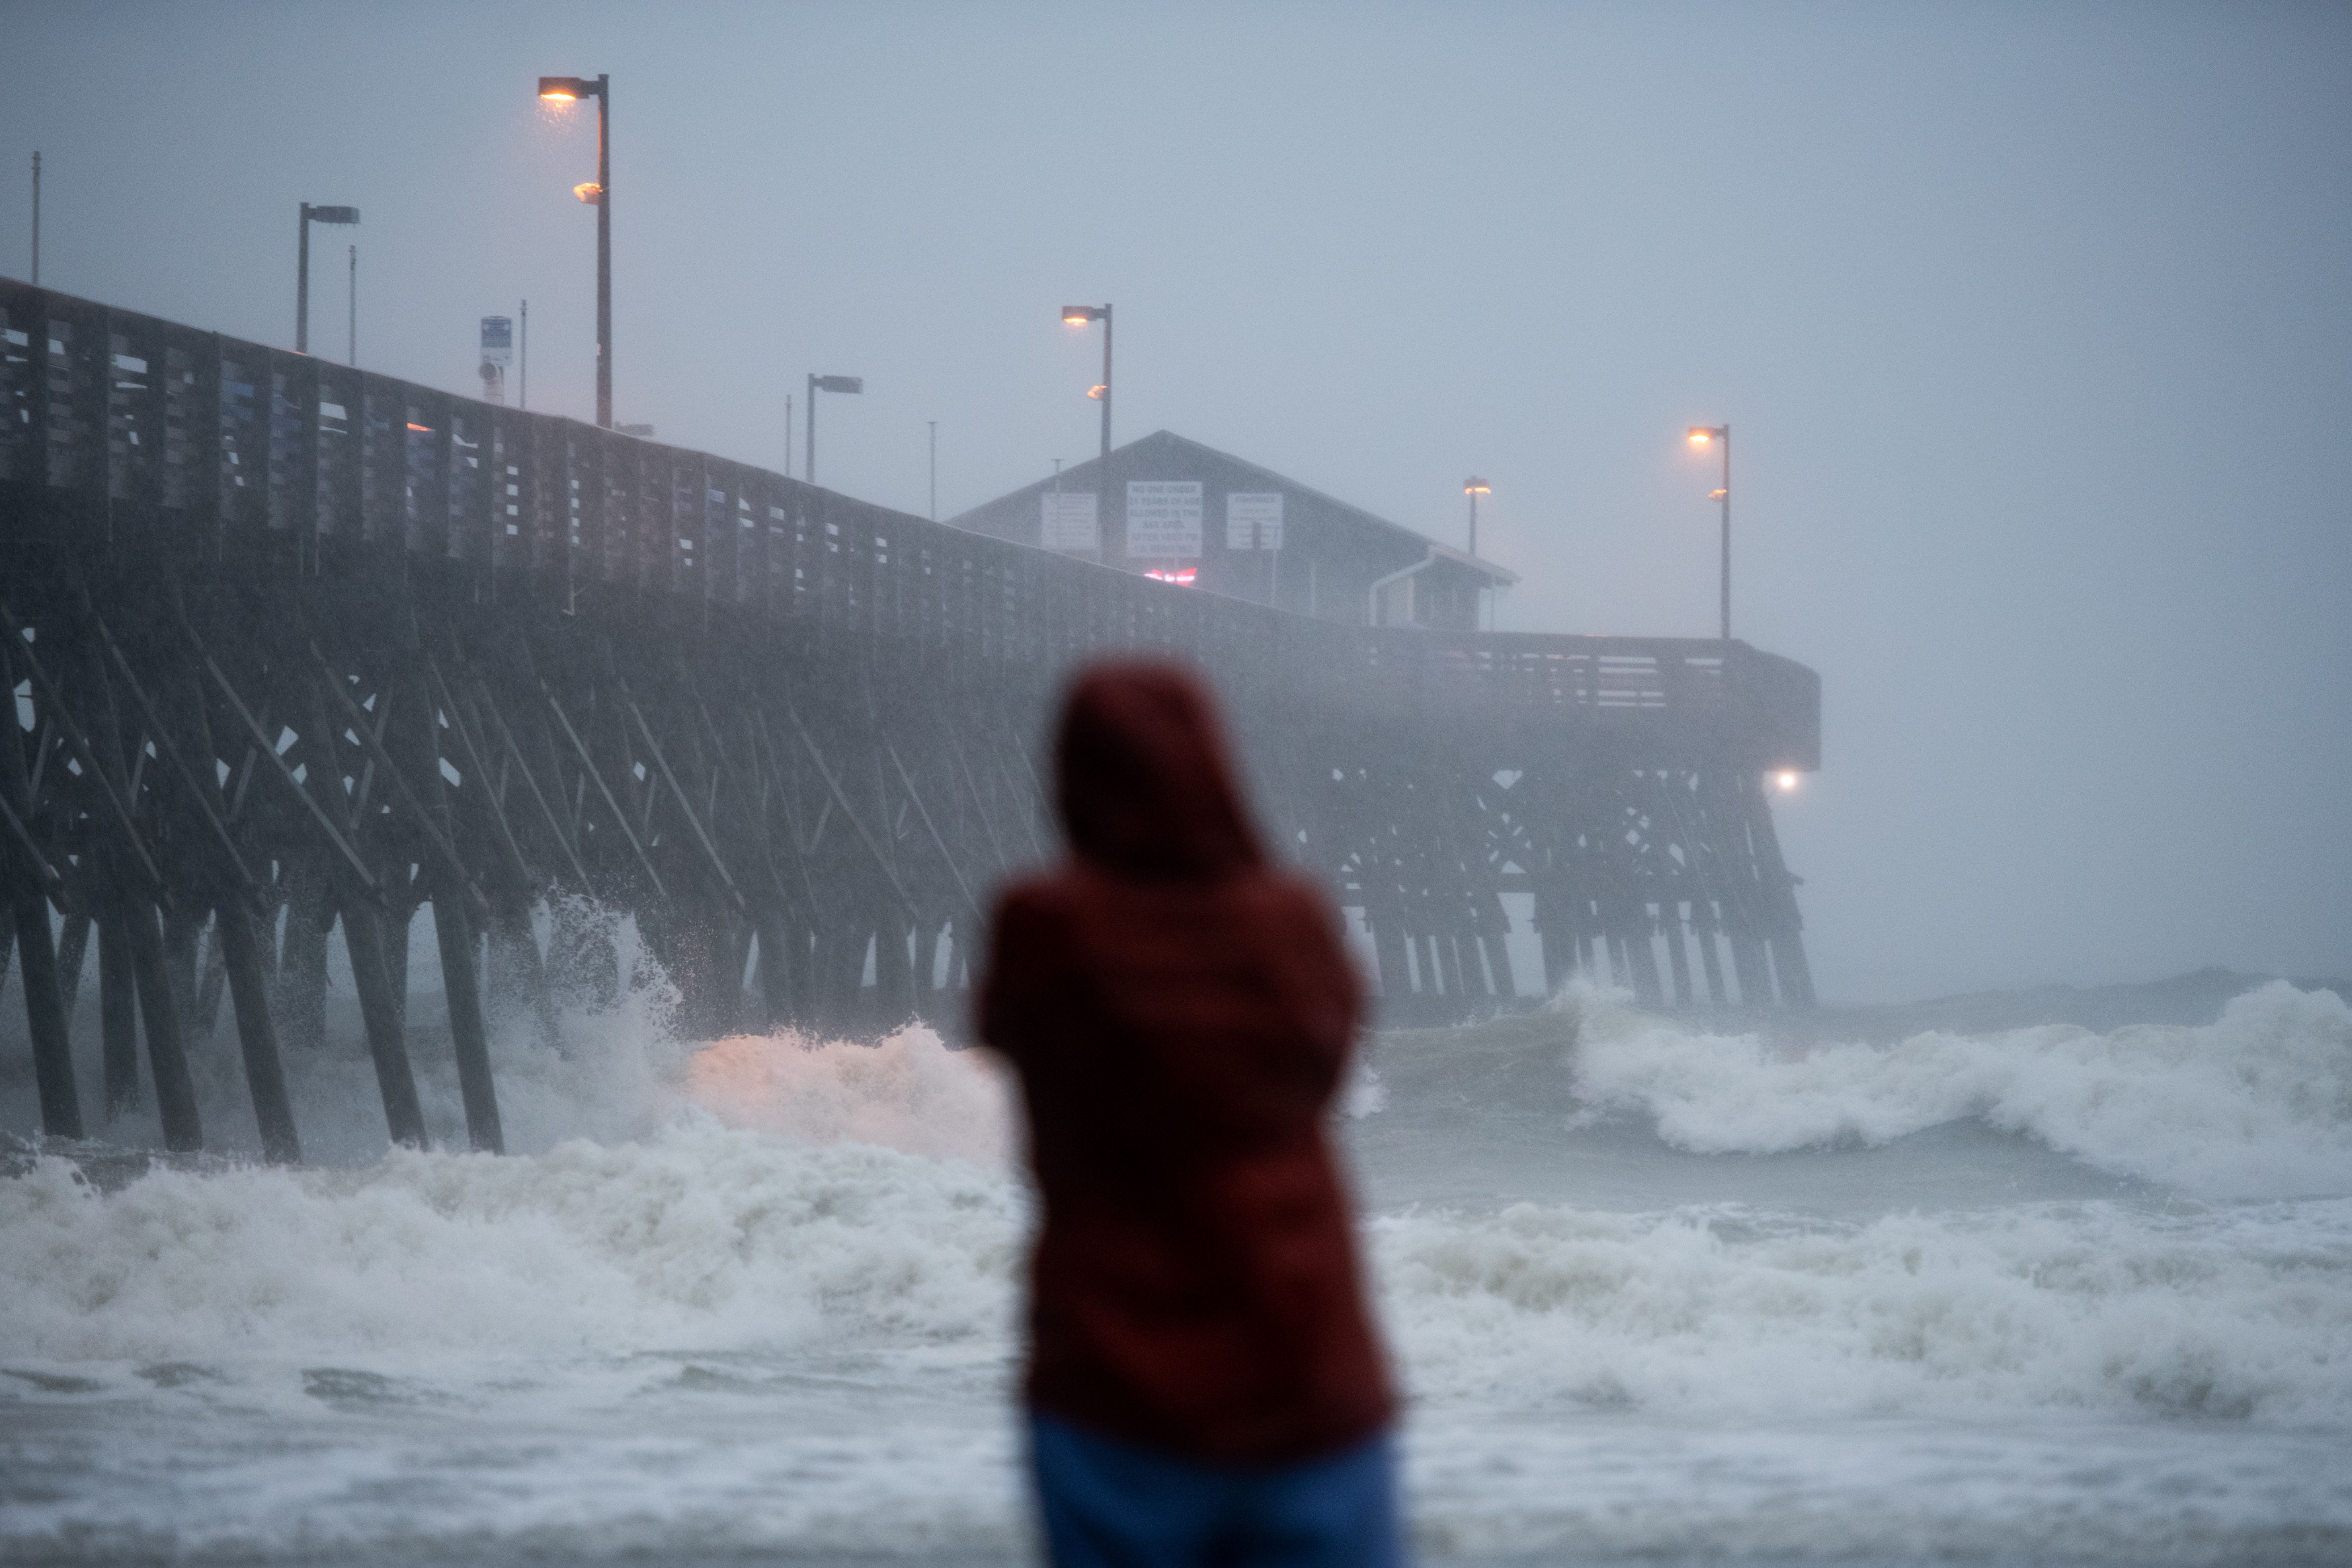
point(699, 1237)
point(2257, 1104)
point(706, 1238)
point(2241, 1313)
point(905, 1092)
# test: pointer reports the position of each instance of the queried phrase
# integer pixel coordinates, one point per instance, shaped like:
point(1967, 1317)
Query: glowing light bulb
point(1787, 782)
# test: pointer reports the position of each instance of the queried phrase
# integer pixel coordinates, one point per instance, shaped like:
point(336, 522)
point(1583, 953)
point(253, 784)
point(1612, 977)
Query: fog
point(2032, 329)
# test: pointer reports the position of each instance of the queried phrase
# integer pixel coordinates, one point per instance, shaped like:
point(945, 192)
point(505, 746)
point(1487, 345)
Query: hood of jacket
point(1142, 779)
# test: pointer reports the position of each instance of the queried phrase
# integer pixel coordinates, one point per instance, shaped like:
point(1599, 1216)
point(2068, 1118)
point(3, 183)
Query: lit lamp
point(311, 214)
point(818, 384)
point(1078, 316)
point(1475, 487)
point(599, 195)
point(1703, 436)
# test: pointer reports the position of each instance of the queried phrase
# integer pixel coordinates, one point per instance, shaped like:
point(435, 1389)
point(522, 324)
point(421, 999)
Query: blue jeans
point(1111, 1504)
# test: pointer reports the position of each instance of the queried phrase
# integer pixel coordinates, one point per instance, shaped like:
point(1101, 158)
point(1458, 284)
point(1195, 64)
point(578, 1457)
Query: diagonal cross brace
point(435, 839)
point(604, 790)
point(684, 803)
point(80, 743)
point(841, 799)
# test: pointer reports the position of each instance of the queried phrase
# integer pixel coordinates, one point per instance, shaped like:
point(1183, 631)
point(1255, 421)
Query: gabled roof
point(1169, 443)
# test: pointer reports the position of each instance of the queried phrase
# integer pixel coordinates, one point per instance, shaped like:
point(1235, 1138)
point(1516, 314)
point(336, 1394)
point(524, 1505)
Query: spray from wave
point(906, 1092)
point(770, 1307)
point(2257, 1104)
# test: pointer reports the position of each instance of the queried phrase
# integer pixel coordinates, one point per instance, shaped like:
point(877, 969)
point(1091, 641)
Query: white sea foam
point(700, 1237)
point(618, 1075)
point(904, 1092)
point(2091, 1308)
point(773, 1310)
point(2257, 1104)
point(708, 1237)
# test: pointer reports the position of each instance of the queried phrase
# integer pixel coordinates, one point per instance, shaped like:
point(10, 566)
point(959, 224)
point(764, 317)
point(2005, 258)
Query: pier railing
point(229, 458)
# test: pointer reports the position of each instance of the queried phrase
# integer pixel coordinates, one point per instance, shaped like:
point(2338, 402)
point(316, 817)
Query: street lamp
point(571, 89)
point(1078, 316)
point(818, 384)
point(1473, 487)
point(1701, 435)
point(311, 214)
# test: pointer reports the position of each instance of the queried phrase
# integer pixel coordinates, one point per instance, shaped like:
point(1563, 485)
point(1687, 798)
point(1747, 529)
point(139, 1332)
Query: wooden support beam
point(558, 827)
point(685, 802)
point(923, 814)
point(202, 794)
point(979, 807)
point(353, 865)
point(1704, 930)
point(604, 791)
point(33, 865)
point(380, 1008)
point(1670, 926)
point(238, 942)
point(299, 997)
point(456, 900)
point(873, 846)
point(118, 1016)
point(103, 780)
point(132, 904)
point(523, 885)
point(167, 1055)
point(449, 865)
point(26, 876)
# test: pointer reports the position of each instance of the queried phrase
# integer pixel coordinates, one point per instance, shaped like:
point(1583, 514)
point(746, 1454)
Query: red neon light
point(1182, 577)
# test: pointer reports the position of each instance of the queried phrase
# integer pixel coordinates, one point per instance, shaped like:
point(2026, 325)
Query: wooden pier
point(299, 650)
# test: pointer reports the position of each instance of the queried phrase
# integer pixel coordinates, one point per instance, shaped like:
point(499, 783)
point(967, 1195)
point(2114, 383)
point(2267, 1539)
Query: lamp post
point(571, 89)
point(1078, 316)
point(818, 384)
point(1701, 435)
point(1475, 487)
point(311, 214)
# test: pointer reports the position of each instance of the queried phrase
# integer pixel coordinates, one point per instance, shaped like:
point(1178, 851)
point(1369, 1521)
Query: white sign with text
point(1069, 521)
point(1163, 519)
point(1254, 521)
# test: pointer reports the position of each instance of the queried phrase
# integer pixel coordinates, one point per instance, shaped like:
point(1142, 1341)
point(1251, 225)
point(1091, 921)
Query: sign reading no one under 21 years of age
point(1163, 519)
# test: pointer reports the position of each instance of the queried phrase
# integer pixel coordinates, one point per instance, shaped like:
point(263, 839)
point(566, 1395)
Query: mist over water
point(2054, 1293)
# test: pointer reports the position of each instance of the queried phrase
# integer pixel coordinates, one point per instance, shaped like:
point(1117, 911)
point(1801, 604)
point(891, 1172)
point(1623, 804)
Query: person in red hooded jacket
point(1205, 1384)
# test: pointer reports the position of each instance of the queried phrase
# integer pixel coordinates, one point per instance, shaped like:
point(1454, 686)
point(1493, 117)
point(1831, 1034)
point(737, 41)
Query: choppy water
point(2039, 1295)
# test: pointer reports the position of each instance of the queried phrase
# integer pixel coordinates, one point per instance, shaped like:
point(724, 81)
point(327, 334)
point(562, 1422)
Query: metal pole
point(524, 401)
point(935, 468)
point(788, 435)
point(351, 355)
point(302, 287)
point(603, 253)
point(1474, 523)
point(1726, 533)
point(808, 446)
point(37, 220)
point(1105, 419)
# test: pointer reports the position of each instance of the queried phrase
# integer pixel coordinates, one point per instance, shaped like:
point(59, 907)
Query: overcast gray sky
point(2031, 323)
